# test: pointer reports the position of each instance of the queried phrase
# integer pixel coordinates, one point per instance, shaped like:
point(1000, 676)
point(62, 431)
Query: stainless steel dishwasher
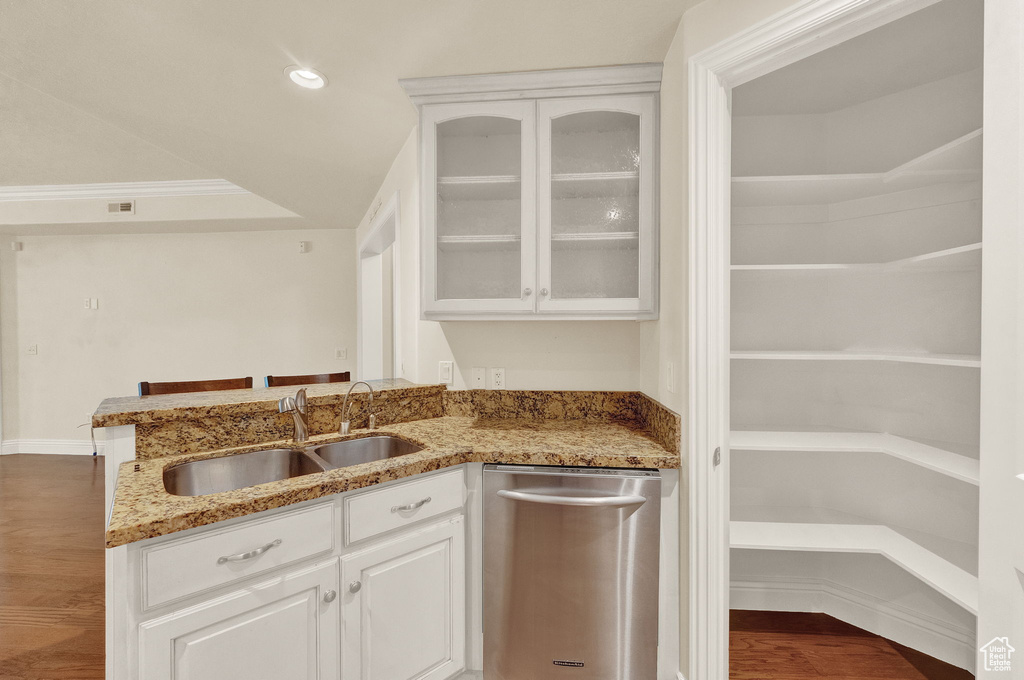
point(570, 573)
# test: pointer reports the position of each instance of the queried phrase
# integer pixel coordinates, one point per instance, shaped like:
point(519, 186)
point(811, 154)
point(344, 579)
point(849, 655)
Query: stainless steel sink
point(229, 473)
point(356, 451)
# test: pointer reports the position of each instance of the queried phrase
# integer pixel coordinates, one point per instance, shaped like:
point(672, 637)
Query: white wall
point(171, 307)
point(873, 136)
point(1002, 350)
point(665, 340)
point(590, 355)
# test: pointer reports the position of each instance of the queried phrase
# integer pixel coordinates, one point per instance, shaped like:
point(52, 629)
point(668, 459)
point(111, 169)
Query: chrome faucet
point(343, 427)
point(300, 413)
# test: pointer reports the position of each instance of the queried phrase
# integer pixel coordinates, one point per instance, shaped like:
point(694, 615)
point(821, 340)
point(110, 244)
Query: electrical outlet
point(479, 378)
point(305, 246)
point(92, 303)
point(497, 378)
point(444, 372)
point(671, 377)
point(341, 353)
point(33, 349)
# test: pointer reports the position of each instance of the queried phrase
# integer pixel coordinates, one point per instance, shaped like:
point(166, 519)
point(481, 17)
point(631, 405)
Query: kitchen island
point(289, 569)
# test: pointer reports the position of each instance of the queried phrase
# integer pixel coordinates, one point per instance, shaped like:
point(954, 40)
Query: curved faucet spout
point(345, 424)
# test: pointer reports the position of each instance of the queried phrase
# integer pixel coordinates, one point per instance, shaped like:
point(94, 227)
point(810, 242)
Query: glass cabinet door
point(595, 205)
point(480, 215)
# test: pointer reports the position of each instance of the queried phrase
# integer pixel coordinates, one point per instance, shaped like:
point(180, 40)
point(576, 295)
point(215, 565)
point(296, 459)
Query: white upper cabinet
point(480, 191)
point(596, 243)
point(539, 194)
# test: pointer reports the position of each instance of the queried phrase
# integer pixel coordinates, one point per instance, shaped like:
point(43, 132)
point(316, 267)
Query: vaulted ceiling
point(114, 91)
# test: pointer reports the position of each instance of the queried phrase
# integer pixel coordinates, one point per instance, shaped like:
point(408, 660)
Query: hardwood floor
point(795, 646)
point(51, 567)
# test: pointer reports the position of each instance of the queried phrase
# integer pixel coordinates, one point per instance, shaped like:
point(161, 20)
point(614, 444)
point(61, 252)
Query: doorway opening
point(378, 276)
point(834, 298)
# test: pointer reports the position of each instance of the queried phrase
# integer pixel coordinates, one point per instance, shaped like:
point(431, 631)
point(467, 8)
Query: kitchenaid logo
point(570, 664)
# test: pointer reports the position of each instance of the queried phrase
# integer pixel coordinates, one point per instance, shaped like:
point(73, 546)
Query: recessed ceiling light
point(306, 77)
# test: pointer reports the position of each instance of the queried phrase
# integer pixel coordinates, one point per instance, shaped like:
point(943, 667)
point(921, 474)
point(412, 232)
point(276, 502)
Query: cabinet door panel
point(278, 630)
point(479, 194)
point(597, 235)
point(407, 617)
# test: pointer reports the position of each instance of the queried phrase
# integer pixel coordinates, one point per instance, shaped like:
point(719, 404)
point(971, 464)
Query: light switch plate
point(444, 372)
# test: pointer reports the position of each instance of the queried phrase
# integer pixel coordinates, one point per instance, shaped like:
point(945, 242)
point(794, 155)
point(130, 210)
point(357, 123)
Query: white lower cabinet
point(285, 628)
point(403, 606)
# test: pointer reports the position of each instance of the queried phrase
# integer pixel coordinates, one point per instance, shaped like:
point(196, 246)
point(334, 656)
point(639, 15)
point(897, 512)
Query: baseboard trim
point(945, 641)
point(66, 447)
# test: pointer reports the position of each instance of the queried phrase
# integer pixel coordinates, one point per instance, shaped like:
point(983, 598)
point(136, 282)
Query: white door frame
point(798, 32)
point(385, 229)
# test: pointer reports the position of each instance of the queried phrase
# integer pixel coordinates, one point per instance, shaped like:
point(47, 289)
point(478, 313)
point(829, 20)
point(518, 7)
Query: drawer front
point(175, 570)
point(374, 512)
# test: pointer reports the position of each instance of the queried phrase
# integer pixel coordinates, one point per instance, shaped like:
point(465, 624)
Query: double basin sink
point(241, 470)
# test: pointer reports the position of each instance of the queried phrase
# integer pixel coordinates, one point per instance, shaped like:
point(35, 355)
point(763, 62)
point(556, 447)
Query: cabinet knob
point(543, 291)
point(355, 586)
point(527, 292)
point(330, 595)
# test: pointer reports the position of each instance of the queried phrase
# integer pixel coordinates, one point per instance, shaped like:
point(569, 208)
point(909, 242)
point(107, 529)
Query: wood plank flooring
point(797, 646)
point(51, 567)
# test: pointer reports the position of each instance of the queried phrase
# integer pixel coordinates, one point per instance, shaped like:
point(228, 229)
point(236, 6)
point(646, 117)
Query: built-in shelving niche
point(855, 331)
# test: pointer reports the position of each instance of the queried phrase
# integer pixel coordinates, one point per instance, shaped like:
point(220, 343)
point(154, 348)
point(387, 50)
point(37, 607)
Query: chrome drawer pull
point(411, 506)
point(249, 555)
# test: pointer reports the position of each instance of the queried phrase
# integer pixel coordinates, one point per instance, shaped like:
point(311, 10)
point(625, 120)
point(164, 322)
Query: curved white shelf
point(959, 258)
point(955, 161)
point(961, 156)
point(933, 458)
point(955, 583)
point(961, 360)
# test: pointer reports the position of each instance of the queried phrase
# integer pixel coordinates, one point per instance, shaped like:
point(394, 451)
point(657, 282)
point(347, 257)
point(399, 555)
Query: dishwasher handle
point(577, 501)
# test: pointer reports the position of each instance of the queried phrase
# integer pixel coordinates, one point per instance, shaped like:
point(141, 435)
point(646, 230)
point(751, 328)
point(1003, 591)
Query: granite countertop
point(171, 407)
point(143, 509)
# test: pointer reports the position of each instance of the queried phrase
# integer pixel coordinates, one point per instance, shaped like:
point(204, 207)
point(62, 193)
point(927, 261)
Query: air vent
point(121, 208)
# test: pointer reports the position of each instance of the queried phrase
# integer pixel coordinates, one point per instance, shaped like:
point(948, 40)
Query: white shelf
point(580, 242)
point(961, 360)
point(572, 185)
point(960, 157)
point(959, 258)
point(933, 458)
point(595, 176)
point(955, 583)
point(478, 242)
point(480, 238)
point(479, 187)
point(479, 179)
point(955, 161)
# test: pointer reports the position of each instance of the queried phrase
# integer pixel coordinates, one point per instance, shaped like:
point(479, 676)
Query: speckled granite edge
point(199, 405)
point(234, 428)
point(663, 424)
point(143, 509)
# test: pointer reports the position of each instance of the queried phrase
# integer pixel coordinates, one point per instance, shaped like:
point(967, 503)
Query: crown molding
point(120, 190)
point(627, 79)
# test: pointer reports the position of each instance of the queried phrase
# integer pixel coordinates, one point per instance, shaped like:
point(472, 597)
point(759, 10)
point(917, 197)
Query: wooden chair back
point(315, 379)
point(147, 388)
